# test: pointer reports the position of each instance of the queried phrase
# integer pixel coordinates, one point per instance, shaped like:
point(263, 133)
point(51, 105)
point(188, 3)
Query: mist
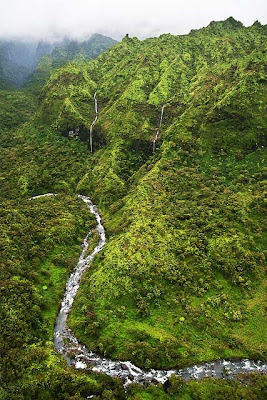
point(78, 19)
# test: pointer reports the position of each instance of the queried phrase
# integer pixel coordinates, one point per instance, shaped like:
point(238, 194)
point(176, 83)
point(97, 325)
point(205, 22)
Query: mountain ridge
point(19, 59)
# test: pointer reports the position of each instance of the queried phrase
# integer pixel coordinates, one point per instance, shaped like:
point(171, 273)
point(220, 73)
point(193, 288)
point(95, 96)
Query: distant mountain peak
point(18, 59)
point(230, 22)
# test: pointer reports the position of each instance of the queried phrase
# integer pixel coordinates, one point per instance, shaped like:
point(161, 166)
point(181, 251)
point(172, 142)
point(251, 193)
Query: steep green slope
point(186, 242)
point(18, 60)
point(71, 51)
point(207, 81)
point(85, 50)
point(16, 107)
point(22, 63)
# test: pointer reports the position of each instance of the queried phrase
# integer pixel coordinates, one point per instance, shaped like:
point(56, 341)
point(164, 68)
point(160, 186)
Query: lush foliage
point(40, 245)
point(181, 279)
point(16, 107)
point(68, 51)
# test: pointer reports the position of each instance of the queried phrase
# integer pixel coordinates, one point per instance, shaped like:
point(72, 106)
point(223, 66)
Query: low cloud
point(52, 19)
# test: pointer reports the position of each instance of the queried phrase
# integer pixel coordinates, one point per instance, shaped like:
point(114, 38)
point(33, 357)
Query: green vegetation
point(29, 63)
point(71, 51)
point(248, 387)
point(37, 160)
point(40, 245)
point(181, 278)
point(16, 107)
point(18, 68)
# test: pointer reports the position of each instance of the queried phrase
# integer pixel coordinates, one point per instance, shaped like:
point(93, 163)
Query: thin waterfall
point(157, 131)
point(92, 124)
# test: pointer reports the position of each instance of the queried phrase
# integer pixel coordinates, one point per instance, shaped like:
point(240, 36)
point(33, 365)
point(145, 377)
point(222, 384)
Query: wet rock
point(166, 385)
point(124, 367)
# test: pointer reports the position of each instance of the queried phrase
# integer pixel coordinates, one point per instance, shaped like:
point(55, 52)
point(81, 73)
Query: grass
point(52, 281)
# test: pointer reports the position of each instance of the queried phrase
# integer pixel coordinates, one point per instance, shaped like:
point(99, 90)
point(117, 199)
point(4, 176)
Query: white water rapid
point(77, 355)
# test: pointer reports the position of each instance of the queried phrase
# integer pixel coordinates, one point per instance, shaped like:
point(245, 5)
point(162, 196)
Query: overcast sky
point(141, 18)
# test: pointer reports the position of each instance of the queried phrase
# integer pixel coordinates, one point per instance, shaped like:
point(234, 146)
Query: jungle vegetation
point(182, 277)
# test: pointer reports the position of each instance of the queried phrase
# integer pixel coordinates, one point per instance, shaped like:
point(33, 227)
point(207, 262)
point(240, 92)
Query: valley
point(169, 143)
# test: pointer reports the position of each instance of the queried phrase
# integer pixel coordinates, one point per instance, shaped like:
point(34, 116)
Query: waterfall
point(157, 131)
point(92, 124)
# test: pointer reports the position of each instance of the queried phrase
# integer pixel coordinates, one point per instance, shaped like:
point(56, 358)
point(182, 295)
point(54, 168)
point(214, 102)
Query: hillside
point(23, 62)
point(68, 51)
point(26, 67)
point(181, 279)
point(18, 60)
point(185, 224)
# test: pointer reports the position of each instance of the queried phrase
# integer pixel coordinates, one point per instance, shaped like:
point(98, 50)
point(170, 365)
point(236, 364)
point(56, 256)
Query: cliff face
point(18, 60)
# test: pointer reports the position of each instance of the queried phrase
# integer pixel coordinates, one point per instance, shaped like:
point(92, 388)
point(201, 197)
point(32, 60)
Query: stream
point(78, 356)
